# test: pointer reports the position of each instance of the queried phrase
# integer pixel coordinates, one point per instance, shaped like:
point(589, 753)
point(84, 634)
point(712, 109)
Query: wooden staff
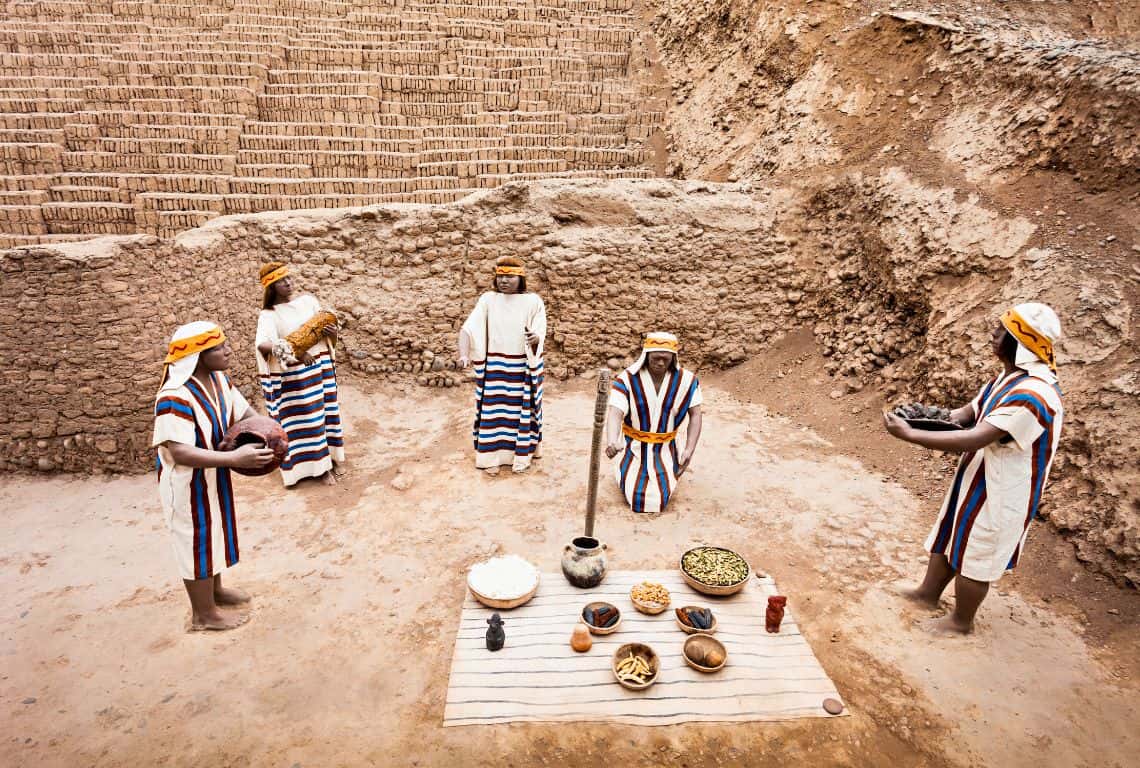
point(596, 448)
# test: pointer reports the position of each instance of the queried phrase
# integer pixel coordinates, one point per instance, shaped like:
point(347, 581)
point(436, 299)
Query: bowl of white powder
point(503, 582)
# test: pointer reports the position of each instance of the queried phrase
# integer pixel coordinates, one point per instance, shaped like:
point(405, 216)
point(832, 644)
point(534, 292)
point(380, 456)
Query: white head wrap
point(1045, 322)
point(178, 372)
point(657, 341)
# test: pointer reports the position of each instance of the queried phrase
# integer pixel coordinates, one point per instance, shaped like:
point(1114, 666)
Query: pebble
point(29, 700)
point(832, 706)
point(1113, 611)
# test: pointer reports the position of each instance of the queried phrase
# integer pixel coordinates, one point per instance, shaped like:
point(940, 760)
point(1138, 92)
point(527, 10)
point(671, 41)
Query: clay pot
point(260, 431)
point(584, 562)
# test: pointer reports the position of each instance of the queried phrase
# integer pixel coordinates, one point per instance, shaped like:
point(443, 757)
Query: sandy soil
point(358, 589)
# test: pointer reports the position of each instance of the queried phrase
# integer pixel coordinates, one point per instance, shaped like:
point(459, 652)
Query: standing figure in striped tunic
point(1012, 428)
point(301, 397)
point(504, 337)
point(195, 405)
point(648, 403)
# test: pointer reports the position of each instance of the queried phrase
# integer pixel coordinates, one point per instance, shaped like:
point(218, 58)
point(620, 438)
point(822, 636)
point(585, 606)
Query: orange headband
point(1029, 338)
point(663, 344)
point(274, 276)
point(505, 270)
point(193, 345)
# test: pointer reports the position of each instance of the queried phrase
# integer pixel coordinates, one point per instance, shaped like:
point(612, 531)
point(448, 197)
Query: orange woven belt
point(654, 438)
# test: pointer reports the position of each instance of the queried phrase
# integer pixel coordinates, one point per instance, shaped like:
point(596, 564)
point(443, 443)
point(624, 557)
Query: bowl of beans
point(715, 570)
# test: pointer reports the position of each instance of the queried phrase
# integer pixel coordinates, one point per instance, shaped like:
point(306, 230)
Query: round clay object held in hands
point(261, 431)
point(832, 706)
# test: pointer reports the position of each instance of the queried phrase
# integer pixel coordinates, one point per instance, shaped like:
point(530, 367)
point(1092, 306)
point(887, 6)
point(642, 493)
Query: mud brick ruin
point(877, 179)
point(123, 117)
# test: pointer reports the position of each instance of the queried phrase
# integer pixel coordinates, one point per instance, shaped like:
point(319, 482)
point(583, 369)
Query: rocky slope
point(947, 160)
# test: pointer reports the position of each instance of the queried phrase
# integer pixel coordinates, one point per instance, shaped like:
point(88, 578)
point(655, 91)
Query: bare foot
point(948, 626)
point(217, 622)
point(339, 470)
point(917, 597)
point(230, 596)
point(491, 471)
point(328, 478)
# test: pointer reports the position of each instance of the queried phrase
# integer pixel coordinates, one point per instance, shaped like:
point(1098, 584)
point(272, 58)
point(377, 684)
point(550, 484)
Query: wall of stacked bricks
point(119, 117)
point(83, 326)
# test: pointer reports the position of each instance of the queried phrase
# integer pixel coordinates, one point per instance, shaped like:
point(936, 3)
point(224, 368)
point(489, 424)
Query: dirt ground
point(358, 590)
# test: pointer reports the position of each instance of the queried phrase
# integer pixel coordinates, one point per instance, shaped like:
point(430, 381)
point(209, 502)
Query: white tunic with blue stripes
point(508, 378)
point(647, 472)
point(198, 503)
point(996, 491)
point(303, 398)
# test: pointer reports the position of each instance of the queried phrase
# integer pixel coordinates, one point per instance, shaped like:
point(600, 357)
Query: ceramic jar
point(584, 562)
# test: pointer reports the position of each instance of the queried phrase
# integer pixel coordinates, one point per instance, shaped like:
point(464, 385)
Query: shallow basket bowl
point(648, 607)
point(698, 645)
point(600, 630)
point(695, 630)
point(713, 589)
point(644, 651)
point(503, 604)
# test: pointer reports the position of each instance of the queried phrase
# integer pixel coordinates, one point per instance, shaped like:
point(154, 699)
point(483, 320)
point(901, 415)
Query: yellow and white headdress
point(186, 344)
point(657, 341)
point(510, 265)
point(1036, 328)
point(272, 272)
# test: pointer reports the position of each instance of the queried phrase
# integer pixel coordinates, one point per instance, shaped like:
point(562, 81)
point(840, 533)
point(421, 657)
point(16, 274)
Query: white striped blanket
point(537, 676)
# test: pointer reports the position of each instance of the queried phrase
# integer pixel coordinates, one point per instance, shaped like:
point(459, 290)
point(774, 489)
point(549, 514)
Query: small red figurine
point(775, 613)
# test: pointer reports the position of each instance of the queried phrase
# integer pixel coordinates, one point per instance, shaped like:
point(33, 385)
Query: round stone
point(832, 706)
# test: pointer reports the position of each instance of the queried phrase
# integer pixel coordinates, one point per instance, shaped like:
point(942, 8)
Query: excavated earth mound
point(950, 159)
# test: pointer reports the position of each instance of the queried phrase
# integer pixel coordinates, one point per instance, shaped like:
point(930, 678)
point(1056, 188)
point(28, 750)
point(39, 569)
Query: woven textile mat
point(537, 677)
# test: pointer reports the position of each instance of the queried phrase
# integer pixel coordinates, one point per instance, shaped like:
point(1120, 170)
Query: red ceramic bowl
point(261, 431)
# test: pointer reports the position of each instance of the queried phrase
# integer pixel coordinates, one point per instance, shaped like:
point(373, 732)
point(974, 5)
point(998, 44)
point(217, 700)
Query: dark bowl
point(594, 629)
point(934, 425)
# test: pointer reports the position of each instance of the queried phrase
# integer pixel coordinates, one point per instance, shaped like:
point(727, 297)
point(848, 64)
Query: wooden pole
point(600, 404)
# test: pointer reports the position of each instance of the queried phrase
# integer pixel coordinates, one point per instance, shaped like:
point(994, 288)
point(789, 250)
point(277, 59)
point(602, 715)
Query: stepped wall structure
point(124, 117)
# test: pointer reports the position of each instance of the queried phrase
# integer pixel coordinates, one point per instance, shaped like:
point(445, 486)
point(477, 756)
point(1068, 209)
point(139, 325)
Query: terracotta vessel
point(584, 562)
point(263, 432)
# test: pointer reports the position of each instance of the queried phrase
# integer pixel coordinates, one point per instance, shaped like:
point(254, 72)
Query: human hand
point(331, 331)
point(896, 425)
point(532, 339)
point(307, 359)
point(684, 464)
point(612, 450)
point(251, 457)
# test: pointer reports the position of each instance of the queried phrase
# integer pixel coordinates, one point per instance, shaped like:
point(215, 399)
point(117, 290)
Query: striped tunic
point(996, 491)
point(198, 503)
point(508, 378)
point(303, 399)
point(647, 472)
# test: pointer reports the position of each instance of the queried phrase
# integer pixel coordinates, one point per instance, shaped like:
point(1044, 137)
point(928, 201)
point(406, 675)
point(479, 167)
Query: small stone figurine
point(495, 634)
point(775, 613)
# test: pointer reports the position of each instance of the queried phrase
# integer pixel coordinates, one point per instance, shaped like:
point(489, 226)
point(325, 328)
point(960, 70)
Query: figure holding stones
point(504, 337)
point(1009, 436)
point(649, 401)
point(299, 384)
point(195, 405)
